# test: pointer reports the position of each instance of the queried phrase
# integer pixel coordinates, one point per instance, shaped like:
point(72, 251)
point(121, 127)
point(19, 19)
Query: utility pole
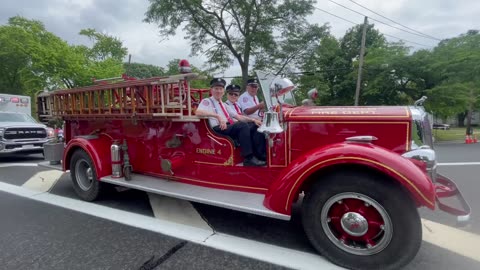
point(128, 65)
point(360, 64)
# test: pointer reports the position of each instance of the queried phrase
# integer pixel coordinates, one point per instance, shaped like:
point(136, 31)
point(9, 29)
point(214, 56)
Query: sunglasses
point(234, 94)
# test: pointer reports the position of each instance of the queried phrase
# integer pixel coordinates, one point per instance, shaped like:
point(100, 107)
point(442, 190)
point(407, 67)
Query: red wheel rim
point(356, 223)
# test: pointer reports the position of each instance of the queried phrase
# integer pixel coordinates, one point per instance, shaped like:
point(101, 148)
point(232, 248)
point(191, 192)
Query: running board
point(235, 200)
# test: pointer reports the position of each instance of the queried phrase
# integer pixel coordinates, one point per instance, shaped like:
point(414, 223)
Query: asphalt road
point(40, 236)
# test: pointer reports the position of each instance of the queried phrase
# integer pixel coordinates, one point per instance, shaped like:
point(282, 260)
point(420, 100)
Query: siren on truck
point(184, 66)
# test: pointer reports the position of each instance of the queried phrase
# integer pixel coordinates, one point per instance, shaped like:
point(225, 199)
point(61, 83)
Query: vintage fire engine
point(359, 173)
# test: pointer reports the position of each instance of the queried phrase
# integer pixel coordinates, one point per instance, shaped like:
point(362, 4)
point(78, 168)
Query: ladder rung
point(166, 114)
point(170, 106)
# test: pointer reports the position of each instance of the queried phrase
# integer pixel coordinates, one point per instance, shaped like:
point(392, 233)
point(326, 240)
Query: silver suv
point(20, 133)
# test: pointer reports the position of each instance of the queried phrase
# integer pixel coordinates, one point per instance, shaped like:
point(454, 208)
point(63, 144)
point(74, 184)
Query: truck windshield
point(16, 117)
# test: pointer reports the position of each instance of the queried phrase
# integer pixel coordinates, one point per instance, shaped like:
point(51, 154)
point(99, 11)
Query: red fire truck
point(359, 173)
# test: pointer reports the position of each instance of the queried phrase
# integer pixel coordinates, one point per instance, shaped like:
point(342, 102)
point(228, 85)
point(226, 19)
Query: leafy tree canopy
point(261, 32)
point(141, 71)
point(33, 58)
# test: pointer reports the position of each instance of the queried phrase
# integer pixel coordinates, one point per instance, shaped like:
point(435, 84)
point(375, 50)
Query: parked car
point(441, 126)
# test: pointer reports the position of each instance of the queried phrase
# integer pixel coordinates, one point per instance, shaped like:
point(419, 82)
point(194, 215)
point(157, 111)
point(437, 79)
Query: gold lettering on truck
point(344, 111)
point(205, 151)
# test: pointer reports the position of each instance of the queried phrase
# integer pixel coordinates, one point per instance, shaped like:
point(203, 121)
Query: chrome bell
point(270, 124)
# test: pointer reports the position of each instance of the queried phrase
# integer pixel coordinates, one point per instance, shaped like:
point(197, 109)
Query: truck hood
point(21, 124)
point(309, 113)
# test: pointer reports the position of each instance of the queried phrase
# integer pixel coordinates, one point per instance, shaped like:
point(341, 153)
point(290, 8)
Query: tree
point(456, 61)
point(141, 71)
point(387, 80)
point(13, 59)
point(202, 82)
point(324, 69)
point(237, 30)
point(33, 58)
point(40, 56)
point(330, 67)
point(351, 41)
point(103, 60)
point(104, 46)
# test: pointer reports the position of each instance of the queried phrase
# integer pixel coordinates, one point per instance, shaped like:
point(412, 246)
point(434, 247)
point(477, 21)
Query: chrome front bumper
point(446, 190)
point(10, 147)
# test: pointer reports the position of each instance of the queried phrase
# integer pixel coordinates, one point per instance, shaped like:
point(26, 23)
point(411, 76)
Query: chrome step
point(235, 200)
point(47, 164)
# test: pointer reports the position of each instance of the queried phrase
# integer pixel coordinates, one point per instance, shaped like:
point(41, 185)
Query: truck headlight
point(1, 131)
point(426, 155)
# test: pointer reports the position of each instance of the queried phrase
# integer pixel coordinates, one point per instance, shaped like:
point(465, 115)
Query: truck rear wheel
point(358, 222)
point(85, 182)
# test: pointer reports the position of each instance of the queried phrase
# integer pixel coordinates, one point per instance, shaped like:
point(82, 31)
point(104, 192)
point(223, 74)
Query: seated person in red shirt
point(220, 119)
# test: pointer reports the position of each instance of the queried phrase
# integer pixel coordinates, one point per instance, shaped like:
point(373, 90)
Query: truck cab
point(20, 133)
point(359, 173)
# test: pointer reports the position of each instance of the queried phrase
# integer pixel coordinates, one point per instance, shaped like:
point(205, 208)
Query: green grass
point(453, 134)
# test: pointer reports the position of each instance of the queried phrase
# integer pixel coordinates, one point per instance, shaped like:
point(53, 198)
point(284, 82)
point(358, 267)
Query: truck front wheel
point(359, 222)
point(85, 182)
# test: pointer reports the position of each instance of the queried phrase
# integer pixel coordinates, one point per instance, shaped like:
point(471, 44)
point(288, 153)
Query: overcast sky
point(123, 18)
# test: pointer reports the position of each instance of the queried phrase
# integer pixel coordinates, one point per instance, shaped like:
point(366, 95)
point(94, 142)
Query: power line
point(406, 40)
point(393, 21)
point(319, 71)
point(308, 73)
point(401, 29)
point(336, 16)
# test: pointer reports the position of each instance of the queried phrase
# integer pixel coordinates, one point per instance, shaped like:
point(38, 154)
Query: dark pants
point(239, 131)
point(259, 141)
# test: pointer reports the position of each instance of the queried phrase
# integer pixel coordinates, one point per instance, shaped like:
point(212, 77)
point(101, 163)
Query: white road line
point(5, 165)
point(178, 211)
point(43, 181)
point(455, 240)
point(253, 249)
point(458, 163)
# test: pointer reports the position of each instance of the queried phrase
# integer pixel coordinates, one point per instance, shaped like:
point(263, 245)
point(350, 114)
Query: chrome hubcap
point(84, 175)
point(354, 224)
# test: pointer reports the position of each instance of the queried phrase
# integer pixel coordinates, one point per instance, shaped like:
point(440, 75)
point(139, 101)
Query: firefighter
point(249, 102)
point(312, 96)
point(220, 117)
point(233, 92)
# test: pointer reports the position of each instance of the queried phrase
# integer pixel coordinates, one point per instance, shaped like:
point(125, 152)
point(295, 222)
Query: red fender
point(283, 191)
point(97, 148)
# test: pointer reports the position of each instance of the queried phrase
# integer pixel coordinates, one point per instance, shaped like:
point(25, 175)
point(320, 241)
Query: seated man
point(312, 95)
point(259, 142)
point(220, 119)
point(249, 102)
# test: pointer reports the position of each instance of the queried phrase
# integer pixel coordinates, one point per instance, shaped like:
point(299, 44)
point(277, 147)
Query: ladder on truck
point(169, 97)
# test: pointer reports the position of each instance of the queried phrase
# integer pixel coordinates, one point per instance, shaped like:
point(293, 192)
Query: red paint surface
point(283, 191)
point(205, 159)
point(373, 217)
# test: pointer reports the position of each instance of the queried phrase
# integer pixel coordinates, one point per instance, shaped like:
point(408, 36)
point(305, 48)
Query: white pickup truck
point(19, 131)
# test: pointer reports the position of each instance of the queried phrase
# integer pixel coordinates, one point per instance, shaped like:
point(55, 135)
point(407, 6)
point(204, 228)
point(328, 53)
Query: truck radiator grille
point(24, 133)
